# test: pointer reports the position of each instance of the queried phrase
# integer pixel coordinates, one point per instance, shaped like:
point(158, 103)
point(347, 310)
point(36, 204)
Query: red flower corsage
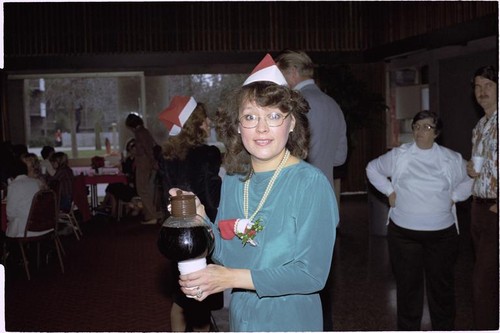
point(244, 229)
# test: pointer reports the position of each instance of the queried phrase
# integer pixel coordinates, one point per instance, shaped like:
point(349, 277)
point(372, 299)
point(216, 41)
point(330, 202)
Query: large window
point(83, 110)
point(89, 110)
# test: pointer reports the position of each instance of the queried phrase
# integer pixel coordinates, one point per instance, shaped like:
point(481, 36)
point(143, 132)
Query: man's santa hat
point(266, 70)
point(177, 113)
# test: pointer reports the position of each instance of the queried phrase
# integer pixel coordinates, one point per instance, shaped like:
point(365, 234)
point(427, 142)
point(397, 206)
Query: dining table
point(94, 180)
point(91, 178)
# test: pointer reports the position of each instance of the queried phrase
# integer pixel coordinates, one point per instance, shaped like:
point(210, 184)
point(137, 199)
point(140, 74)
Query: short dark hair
point(133, 121)
point(488, 72)
point(18, 167)
point(61, 159)
point(19, 149)
point(432, 115)
point(46, 151)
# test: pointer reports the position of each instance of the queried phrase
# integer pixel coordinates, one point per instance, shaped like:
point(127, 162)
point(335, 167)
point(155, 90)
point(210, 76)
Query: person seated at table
point(45, 165)
point(21, 191)
point(33, 164)
point(64, 174)
point(124, 192)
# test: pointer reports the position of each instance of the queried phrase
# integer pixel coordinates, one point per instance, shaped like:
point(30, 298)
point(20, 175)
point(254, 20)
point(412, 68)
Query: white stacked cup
point(190, 266)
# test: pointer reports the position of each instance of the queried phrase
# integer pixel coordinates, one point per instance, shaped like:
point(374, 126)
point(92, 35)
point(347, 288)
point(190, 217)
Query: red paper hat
point(266, 70)
point(177, 113)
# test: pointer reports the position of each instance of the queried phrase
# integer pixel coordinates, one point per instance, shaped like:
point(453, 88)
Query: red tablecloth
point(105, 179)
point(101, 179)
point(80, 197)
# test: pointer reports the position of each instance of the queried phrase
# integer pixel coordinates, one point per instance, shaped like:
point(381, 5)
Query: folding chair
point(41, 225)
point(68, 217)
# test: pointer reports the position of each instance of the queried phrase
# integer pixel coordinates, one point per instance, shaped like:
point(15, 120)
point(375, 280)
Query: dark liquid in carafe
point(180, 244)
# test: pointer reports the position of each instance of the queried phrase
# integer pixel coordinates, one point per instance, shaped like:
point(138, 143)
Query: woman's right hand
point(214, 279)
point(392, 199)
point(200, 209)
point(205, 282)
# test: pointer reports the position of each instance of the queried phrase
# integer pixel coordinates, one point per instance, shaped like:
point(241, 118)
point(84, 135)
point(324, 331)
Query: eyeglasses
point(273, 119)
point(424, 127)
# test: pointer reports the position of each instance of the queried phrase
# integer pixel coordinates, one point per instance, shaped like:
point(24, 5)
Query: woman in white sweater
point(423, 181)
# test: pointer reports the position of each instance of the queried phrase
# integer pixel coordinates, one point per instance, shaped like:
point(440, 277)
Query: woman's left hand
point(200, 209)
point(392, 199)
point(205, 282)
point(470, 170)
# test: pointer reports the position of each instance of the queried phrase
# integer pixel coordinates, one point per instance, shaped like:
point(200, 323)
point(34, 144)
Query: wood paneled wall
point(44, 29)
point(369, 142)
point(37, 31)
point(396, 20)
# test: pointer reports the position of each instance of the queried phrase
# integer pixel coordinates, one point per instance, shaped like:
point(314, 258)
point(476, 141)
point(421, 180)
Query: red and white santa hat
point(177, 113)
point(266, 70)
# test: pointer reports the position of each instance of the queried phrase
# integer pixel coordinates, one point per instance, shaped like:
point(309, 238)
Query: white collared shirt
point(20, 195)
point(427, 182)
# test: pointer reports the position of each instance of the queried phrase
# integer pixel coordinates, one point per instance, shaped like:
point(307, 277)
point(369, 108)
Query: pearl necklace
point(268, 188)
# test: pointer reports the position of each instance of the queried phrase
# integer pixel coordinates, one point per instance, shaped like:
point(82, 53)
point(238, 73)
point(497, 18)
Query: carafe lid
point(183, 205)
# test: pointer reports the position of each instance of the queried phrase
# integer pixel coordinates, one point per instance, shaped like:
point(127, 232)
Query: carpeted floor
point(117, 280)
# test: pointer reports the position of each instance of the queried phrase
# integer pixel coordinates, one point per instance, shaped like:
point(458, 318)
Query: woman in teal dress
point(276, 221)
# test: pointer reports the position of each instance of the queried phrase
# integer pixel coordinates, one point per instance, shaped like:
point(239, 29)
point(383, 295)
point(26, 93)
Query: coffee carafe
point(186, 237)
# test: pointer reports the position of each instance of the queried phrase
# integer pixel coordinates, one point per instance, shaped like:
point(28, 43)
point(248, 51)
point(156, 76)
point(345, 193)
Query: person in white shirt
point(46, 166)
point(423, 180)
point(20, 195)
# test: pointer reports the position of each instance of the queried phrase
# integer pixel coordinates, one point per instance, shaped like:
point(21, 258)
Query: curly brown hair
point(61, 159)
point(177, 147)
point(264, 94)
point(33, 163)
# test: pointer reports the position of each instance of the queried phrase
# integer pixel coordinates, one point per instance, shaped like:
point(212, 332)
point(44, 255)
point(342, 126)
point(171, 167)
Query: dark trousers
point(484, 232)
point(424, 255)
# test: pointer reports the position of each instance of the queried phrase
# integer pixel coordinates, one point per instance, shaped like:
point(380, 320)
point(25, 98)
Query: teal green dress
point(291, 263)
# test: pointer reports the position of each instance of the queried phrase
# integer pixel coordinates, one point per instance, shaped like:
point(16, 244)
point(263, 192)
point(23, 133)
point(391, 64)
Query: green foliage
point(40, 141)
point(211, 89)
point(61, 122)
point(85, 153)
point(250, 233)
